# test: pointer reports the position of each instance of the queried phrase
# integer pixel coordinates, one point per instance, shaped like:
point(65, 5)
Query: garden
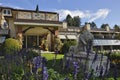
point(30, 64)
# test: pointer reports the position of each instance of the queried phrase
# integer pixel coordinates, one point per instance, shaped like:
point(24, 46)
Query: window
point(7, 12)
point(4, 12)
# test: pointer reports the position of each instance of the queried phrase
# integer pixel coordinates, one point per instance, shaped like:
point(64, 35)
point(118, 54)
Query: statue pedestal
point(98, 65)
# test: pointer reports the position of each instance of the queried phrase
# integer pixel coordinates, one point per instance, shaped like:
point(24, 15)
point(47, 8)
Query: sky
point(98, 11)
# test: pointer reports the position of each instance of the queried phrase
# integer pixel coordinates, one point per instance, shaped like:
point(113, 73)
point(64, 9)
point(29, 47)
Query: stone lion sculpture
point(85, 42)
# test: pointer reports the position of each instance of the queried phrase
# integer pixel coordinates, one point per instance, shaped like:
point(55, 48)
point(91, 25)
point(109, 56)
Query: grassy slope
point(50, 56)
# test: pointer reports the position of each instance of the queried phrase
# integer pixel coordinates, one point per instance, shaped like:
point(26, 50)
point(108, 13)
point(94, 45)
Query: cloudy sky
point(98, 11)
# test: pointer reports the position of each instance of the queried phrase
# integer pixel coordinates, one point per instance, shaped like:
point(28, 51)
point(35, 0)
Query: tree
point(104, 25)
point(116, 27)
point(93, 25)
point(69, 20)
point(76, 21)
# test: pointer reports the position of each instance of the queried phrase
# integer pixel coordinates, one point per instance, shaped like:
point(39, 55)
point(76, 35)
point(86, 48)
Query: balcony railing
point(37, 16)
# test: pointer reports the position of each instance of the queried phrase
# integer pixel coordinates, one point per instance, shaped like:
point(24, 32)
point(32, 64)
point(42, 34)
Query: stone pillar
point(12, 29)
point(101, 47)
point(19, 35)
point(26, 41)
point(38, 40)
point(111, 47)
point(49, 41)
point(52, 41)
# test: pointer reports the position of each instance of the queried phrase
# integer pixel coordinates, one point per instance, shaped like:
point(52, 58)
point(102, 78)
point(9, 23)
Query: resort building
point(30, 26)
point(34, 27)
point(104, 39)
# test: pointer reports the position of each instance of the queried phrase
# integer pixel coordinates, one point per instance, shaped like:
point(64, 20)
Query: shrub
point(17, 72)
point(31, 54)
point(11, 46)
point(67, 45)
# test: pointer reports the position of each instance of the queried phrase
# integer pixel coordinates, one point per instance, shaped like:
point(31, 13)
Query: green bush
point(17, 72)
point(67, 45)
point(31, 54)
point(11, 46)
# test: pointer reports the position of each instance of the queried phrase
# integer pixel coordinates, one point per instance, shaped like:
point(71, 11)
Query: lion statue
point(85, 42)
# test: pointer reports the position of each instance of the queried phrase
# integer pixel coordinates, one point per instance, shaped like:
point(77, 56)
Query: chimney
point(87, 26)
point(64, 25)
point(107, 28)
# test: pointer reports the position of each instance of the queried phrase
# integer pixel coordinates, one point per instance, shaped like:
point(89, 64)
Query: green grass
point(51, 56)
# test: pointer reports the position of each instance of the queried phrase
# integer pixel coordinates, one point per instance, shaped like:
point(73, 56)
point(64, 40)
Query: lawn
point(51, 56)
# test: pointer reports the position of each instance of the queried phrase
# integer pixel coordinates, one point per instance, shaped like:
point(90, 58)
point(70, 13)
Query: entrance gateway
point(32, 26)
point(39, 36)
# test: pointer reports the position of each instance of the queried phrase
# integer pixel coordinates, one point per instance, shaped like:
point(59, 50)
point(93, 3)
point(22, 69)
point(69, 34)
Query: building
point(30, 26)
point(104, 39)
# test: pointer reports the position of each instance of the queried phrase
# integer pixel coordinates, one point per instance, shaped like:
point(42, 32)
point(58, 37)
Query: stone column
point(12, 29)
point(19, 35)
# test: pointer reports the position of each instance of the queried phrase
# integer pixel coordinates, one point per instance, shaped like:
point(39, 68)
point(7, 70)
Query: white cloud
point(101, 13)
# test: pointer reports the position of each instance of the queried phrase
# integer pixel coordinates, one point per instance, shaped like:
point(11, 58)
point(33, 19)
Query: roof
point(37, 21)
point(6, 7)
point(105, 42)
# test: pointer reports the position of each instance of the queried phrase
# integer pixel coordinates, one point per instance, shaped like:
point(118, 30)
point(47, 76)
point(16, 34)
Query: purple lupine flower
point(97, 68)
point(67, 65)
point(72, 55)
point(86, 75)
point(91, 74)
point(108, 60)
point(66, 78)
point(95, 57)
point(115, 72)
point(37, 62)
point(101, 71)
point(75, 72)
point(45, 73)
point(101, 59)
point(44, 61)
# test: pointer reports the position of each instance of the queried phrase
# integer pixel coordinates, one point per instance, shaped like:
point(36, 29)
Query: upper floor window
point(7, 12)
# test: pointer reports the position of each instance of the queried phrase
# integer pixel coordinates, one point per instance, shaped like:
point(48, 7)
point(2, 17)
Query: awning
point(62, 36)
point(71, 37)
point(98, 42)
point(2, 39)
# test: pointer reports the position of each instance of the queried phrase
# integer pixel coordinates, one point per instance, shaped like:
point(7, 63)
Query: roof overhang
point(36, 24)
point(71, 37)
point(62, 36)
point(98, 42)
